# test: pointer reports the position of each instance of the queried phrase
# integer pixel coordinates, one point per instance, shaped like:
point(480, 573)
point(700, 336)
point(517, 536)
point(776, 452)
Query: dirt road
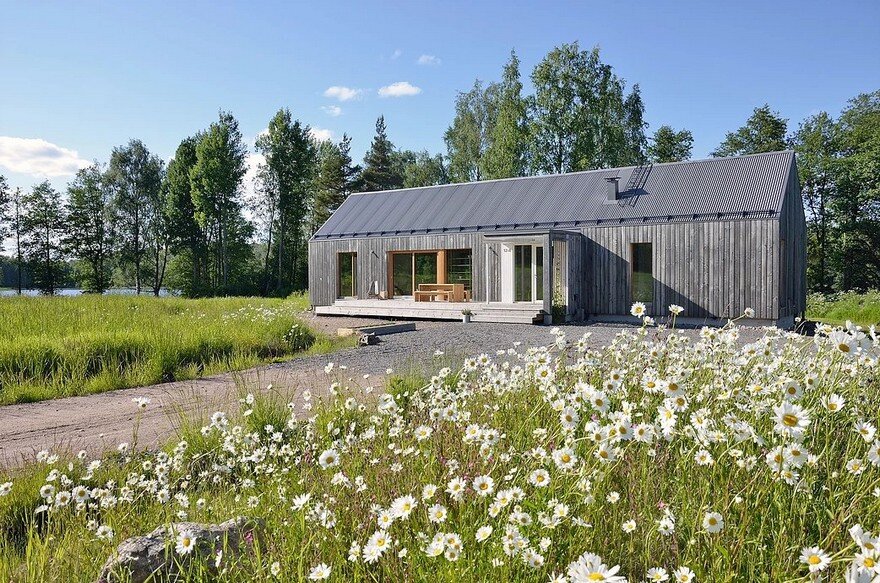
point(100, 422)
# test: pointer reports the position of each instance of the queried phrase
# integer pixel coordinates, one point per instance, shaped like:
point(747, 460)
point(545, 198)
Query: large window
point(642, 273)
point(459, 267)
point(347, 275)
point(408, 270)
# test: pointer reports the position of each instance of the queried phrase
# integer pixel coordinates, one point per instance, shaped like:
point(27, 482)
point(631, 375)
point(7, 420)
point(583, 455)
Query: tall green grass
point(51, 347)
point(861, 308)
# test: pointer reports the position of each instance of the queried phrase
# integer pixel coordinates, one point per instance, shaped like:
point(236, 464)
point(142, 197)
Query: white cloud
point(38, 157)
point(332, 110)
point(429, 60)
point(399, 89)
point(342, 93)
point(321, 134)
point(396, 54)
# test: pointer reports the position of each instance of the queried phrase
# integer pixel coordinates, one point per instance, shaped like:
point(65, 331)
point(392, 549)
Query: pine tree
point(379, 172)
point(505, 154)
point(667, 145)
point(334, 180)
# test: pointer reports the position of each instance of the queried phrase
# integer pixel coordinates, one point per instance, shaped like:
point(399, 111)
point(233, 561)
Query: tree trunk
point(18, 244)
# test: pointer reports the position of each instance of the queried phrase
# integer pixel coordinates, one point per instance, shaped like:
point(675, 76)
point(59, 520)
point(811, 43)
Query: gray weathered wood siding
point(714, 269)
point(372, 258)
point(793, 251)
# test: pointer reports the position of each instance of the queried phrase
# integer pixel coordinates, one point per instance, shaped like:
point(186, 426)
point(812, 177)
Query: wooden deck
point(409, 309)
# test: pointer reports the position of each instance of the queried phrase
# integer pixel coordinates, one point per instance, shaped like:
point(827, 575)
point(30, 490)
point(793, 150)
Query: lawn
point(61, 346)
point(656, 458)
point(861, 308)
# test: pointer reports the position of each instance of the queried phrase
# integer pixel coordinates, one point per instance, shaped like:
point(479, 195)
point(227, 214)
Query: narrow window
point(642, 273)
point(347, 275)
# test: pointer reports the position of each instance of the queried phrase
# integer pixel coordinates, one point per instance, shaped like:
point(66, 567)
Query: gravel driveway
point(100, 422)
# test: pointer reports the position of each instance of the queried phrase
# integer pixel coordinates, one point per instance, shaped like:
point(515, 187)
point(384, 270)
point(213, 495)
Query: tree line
point(188, 224)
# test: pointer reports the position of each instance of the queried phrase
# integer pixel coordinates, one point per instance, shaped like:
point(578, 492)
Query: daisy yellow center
point(484, 486)
point(832, 406)
point(566, 458)
point(814, 559)
point(843, 347)
point(603, 453)
point(869, 562)
point(789, 420)
point(596, 577)
point(651, 384)
point(713, 522)
point(186, 541)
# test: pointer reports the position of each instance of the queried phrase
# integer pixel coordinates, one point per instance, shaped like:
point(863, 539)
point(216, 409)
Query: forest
point(192, 226)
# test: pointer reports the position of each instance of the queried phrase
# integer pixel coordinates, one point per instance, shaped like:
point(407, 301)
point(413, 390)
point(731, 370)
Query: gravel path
point(100, 422)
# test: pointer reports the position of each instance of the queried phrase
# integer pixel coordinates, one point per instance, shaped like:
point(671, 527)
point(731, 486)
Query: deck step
point(433, 311)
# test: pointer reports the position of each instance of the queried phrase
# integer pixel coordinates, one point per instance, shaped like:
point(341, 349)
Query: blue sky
point(78, 78)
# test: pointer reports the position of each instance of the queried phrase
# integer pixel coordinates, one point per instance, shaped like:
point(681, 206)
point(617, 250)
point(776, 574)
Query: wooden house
point(714, 236)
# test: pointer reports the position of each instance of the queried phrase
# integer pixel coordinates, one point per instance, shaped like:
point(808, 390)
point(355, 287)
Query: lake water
point(122, 291)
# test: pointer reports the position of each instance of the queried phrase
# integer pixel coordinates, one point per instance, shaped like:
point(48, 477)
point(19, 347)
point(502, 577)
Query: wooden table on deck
point(449, 292)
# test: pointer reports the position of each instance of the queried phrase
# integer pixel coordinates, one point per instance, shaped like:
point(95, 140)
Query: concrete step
point(505, 318)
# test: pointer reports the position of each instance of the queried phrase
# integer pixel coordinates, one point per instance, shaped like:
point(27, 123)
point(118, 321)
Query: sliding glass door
point(408, 270)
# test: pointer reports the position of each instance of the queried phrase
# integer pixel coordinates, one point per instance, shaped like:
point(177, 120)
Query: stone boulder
point(153, 558)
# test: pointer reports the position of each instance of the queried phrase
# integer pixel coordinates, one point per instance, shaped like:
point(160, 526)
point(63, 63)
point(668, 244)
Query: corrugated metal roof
point(742, 186)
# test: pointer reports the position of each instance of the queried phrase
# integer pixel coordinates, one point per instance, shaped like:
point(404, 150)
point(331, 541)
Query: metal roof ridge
point(574, 173)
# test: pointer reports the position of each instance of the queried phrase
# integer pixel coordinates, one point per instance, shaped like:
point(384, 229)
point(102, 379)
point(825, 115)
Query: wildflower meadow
point(656, 458)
